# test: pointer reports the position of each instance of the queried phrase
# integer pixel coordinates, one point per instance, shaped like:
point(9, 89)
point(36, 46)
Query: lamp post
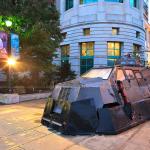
point(11, 63)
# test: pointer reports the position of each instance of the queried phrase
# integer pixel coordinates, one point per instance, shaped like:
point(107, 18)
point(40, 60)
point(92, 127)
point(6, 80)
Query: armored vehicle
point(104, 100)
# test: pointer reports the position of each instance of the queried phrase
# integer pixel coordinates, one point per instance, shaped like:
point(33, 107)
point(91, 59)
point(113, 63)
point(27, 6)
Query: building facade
point(97, 32)
point(147, 30)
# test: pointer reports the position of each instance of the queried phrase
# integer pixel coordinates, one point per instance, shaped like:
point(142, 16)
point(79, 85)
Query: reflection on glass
point(86, 31)
point(83, 52)
point(117, 52)
point(87, 1)
point(115, 31)
point(138, 75)
point(98, 73)
point(117, 45)
point(65, 50)
point(120, 75)
point(130, 74)
point(110, 52)
point(110, 45)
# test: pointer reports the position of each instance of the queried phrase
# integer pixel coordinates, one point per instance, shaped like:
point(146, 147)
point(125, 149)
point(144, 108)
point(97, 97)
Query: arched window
point(69, 4)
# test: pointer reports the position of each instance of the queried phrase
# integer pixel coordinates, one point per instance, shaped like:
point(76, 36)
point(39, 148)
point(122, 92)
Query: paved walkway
point(20, 129)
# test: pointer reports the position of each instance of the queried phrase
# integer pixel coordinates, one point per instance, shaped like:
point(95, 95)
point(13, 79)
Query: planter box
point(9, 98)
point(16, 98)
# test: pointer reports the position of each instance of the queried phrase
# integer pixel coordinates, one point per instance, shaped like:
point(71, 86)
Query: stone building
point(98, 32)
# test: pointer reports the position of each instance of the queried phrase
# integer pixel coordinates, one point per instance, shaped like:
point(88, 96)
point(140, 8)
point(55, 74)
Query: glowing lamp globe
point(8, 23)
point(11, 61)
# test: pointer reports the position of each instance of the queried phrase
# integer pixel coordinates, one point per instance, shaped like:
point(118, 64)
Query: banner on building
point(3, 45)
point(14, 45)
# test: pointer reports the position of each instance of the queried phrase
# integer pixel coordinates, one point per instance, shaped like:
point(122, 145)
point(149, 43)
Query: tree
point(37, 23)
point(65, 73)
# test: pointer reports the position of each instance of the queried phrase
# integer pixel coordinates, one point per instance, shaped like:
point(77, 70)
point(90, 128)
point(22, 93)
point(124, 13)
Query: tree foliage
point(37, 23)
point(65, 73)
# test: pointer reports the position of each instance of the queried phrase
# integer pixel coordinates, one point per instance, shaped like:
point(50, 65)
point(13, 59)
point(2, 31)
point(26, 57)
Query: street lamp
point(8, 23)
point(11, 63)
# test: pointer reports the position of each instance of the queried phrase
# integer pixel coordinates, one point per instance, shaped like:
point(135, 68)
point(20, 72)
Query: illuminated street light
point(11, 61)
point(8, 23)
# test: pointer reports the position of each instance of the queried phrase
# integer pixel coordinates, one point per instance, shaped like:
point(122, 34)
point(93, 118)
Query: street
point(20, 129)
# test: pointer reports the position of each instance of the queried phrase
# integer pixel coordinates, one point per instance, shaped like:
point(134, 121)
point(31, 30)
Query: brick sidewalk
point(20, 129)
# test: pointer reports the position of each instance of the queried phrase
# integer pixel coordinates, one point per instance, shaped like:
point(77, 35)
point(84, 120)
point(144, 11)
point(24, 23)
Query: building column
point(127, 8)
point(62, 6)
point(141, 7)
point(127, 3)
point(76, 3)
point(149, 13)
point(101, 12)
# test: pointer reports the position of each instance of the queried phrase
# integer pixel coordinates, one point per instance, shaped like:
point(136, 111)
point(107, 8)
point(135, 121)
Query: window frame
point(86, 31)
point(87, 58)
point(113, 58)
point(115, 1)
point(128, 77)
point(138, 34)
point(117, 30)
point(68, 4)
point(82, 2)
point(65, 58)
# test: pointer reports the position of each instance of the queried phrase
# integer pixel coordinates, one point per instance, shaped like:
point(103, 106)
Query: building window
point(134, 3)
point(65, 50)
point(86, 56)
point(136, 50)
point(86, 31)
point(137, 34)
point(64, 35)
point(120, 1)
point(87, 1)
point(69, 4)
point(115, 31)
point(114, 52)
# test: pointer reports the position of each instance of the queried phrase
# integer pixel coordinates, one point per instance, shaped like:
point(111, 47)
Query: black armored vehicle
point(104, 100)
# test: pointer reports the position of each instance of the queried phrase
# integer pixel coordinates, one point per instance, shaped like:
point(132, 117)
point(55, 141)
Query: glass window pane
point(69, 4)
point(65, 50)
point(134, 3)
point(90, 45)
point(120, 1)
point(130, 74)
point(83, 45)
point(117, 45)
point(101, 73)
point(120, 75)
point(110, 62)
point(138, 75)
point(90, 53)
point(83, 53)
point(110, 52)
point(115, 31)
point(87, 1)
point(110, 45)
point(90, 62)
point(83, 62)
point(86, 32)
point(83, 69)
point(117, 52)
point(86, 62)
